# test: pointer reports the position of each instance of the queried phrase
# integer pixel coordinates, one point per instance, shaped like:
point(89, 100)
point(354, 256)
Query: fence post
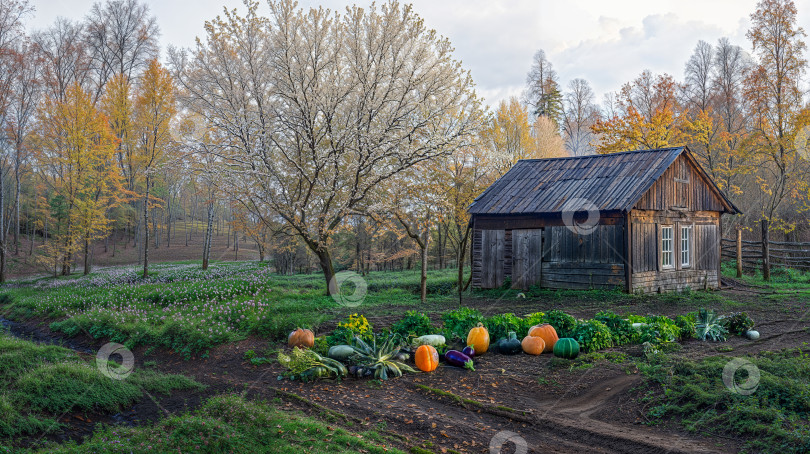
point(739, 252)
point(766, 256)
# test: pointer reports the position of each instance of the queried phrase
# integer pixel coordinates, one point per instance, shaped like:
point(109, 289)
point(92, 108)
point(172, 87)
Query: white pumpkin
point(752, 334)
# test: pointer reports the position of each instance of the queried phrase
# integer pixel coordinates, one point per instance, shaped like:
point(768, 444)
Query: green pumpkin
point(510, 345)
point(566, 348)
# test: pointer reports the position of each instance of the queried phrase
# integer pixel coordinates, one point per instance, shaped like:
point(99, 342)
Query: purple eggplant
point(456, 358)
point(469, 351)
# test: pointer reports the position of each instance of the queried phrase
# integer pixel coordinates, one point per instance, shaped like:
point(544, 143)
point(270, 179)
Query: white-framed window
point(666, 247)
point(686, 246)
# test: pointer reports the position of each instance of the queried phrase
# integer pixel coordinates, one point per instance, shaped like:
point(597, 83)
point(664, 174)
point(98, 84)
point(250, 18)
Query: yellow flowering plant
point(354, 325)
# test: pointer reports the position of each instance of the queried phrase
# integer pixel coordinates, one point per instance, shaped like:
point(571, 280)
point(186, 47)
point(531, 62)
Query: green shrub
point(500, 325)
point(738, 323)
point(662, 328)
point(413, 324)
point(686, 323)
point(620, 329)
point(458, 322)
point(563, 323)
point(593, 335)
point(530, 320)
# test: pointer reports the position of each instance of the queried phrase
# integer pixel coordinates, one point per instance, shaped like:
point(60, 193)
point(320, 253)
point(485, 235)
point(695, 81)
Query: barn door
point(526, 257)
point(492, 257)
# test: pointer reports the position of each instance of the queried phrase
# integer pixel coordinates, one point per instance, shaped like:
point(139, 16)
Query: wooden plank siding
point(526, 255)
point(519, 230)
point(680, 187)
point(701, 273)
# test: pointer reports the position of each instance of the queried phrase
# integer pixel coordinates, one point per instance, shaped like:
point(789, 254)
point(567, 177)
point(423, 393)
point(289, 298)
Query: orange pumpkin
point(478, 338)
point(427, 358)
point(547, 333)
point(302, 338)
point(533, 345)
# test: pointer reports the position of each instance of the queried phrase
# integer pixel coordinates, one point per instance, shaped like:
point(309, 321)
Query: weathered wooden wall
point(526, 254)
point(680, 186)
point(703, 272)
point(553, 257)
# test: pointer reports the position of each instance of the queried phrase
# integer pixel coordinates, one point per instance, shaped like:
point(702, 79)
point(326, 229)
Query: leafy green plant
point(664, 328)
point(458, 322)
point(709, 326)
point(620, 329)
point(563, 323)
point(530, 320)
point(413, 324)
point(686, 323)
point(593, 335)
point(306, 365)
point(738, 323)
point(353, 325)
point(381, 357)
point(500, 325)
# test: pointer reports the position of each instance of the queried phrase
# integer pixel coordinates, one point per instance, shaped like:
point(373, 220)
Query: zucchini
point(434, 340)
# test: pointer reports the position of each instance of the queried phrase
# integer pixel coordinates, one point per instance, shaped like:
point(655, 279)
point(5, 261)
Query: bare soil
point(554, 409)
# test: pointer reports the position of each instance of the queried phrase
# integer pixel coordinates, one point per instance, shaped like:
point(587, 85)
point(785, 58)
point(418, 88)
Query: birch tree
point(315, 109)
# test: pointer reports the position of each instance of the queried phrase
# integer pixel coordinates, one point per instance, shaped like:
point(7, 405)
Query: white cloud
point(606, 43)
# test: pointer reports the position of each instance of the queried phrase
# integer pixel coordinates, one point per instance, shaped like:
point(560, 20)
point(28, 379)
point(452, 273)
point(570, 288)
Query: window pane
point(666, 246)
point(685, 245)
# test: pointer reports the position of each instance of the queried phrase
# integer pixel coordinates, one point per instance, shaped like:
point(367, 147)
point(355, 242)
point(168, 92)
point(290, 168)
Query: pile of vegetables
point(354, 349)
point(304, 364)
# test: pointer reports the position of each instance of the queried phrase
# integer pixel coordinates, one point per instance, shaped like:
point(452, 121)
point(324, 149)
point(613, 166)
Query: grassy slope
point(40, 383)
point(231, 424)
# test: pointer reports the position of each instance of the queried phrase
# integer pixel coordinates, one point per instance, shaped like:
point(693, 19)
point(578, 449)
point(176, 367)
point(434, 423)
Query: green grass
point(774, 418)
point(40, 383)
point(232, 424)
point(189, 310)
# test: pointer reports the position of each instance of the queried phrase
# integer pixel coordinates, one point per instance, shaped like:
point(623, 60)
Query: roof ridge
point(602, 155)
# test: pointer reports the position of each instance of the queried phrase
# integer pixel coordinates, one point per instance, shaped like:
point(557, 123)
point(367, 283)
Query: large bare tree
point(315, 110)
point(122, 37)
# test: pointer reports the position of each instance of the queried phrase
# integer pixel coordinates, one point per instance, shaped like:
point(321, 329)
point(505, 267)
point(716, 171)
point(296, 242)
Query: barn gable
point(684, 186)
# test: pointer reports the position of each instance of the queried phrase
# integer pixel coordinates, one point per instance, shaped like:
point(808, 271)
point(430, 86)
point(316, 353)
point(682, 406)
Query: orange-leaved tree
point(74, 152)
point(647, 116)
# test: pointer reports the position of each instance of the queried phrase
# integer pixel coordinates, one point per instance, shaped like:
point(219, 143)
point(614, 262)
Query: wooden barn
point(643, 221)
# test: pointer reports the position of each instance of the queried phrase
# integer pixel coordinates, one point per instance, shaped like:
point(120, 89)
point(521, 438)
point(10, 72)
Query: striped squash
point(566, 348)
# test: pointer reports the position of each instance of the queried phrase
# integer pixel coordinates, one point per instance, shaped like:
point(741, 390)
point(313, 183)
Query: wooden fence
point(763, 254)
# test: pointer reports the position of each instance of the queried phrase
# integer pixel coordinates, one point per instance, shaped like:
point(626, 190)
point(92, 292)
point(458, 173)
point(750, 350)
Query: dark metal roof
point(612, 182)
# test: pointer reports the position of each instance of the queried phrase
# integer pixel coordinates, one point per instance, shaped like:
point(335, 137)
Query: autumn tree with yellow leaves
point(75, 150)
point(154, 110)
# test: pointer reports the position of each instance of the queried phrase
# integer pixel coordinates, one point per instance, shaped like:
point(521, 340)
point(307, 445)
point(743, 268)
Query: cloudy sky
point(606, 43)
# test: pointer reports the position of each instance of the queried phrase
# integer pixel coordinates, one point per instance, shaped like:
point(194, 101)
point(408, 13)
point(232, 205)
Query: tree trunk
point(766, 259)
point(146, 229)
point(208, 234)
point(86, 255)
point(2, 228)
point(462, 251)
point(425, 246)
point(325, 260)
point(17, 210)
